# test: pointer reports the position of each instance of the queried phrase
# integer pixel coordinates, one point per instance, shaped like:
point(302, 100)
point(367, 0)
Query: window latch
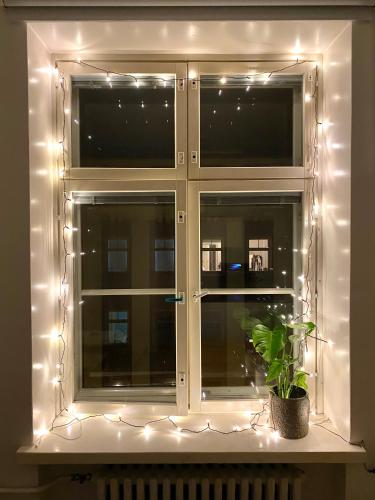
point(198, 295)
point(179, 298)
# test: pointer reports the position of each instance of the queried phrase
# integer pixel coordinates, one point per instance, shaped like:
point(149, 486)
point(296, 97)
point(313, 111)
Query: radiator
point(202, 482)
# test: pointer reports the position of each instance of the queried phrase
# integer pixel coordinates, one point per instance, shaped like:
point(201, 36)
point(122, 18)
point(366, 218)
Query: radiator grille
point(201, 482)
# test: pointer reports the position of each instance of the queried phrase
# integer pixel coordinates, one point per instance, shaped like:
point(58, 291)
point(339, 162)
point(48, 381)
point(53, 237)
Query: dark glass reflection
point(128, 341)
point(127, 241)
point(230, 365)
point(126, 126)
point(248, 241)
point(247, 125)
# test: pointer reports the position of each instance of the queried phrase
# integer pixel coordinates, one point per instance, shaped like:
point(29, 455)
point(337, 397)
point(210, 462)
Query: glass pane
point(124, 124)
point(258, 238)
point(127, 240)
point(245, 123)
point(128, 341)
point(230, 366)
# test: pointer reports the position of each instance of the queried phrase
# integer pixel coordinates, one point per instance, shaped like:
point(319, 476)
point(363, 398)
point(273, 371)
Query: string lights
point(256, 422)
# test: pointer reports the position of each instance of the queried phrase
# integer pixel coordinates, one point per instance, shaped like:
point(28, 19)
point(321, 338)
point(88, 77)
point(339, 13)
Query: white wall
point(336, 175)
point(43, 282)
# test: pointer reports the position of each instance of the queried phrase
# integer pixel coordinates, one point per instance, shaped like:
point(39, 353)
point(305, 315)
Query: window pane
point(122, 125)
point(230, 366)
point(127, 240)
point(128, 341)
point(246, 123)
point(258, 240)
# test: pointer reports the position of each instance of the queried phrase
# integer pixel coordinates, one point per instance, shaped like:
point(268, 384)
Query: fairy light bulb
point(223, 80)
point(147, 431)
point(108, 78)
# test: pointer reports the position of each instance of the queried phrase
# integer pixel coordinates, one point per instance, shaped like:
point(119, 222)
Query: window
point(118, 332)
point(117, 256)
point(259, 256)
point(184, 208)
point(164, 255)
point(211, 255)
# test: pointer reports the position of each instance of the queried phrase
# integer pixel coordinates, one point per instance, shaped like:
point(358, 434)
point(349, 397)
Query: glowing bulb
point(55, 334)
point(248, 88)
point(283, 273)
point(276, 435)
point(41, 432)
point(307, 98)
point(147, 431)
point(108, 78)
point(223, 80)
point(37, 366)
point(301, 278)
point(136, 83)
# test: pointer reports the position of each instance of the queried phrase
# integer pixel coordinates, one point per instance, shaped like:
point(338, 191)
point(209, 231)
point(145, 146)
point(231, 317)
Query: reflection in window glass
point(230, 366)
point(128, 341)
point(118, 327)
point(211, 255)
point(258, 255)
point(164, 255)
point(247, 123)
point(258, 235)
point(117, 256)
point(121, 124)
point(127, 240)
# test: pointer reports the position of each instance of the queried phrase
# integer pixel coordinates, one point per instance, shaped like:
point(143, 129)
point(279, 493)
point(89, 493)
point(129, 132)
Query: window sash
point(176, 398)
point(242, 67)
point(195, 189)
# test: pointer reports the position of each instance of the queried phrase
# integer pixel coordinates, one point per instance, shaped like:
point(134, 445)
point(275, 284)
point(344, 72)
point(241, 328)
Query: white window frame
point(187, 180)
point(225, 67)
point(196, 188)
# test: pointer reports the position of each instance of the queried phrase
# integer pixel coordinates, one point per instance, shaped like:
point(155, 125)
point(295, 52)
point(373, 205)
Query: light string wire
point(153, 78)
point(63, 411)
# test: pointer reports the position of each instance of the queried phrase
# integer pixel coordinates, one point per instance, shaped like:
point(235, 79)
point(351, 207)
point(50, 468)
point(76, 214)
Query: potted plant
point(281, 345)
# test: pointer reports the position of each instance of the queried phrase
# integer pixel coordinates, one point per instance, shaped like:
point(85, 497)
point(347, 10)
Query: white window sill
point(104, 442)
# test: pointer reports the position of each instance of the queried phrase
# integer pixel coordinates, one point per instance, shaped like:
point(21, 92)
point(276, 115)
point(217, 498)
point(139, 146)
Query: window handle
point(173, 299)
point(197, 295)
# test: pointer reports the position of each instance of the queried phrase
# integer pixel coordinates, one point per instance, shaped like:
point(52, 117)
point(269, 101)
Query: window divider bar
point(247, 291)
point(130, 291)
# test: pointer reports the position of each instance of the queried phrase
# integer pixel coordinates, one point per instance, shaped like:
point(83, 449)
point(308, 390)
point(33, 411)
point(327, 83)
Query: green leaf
point(299, 379)
point(268, 342)
point(274, 370)
point(294, 338)
point(308, 326)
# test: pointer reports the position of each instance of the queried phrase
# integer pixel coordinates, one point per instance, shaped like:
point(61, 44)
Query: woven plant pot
point(290, 416)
